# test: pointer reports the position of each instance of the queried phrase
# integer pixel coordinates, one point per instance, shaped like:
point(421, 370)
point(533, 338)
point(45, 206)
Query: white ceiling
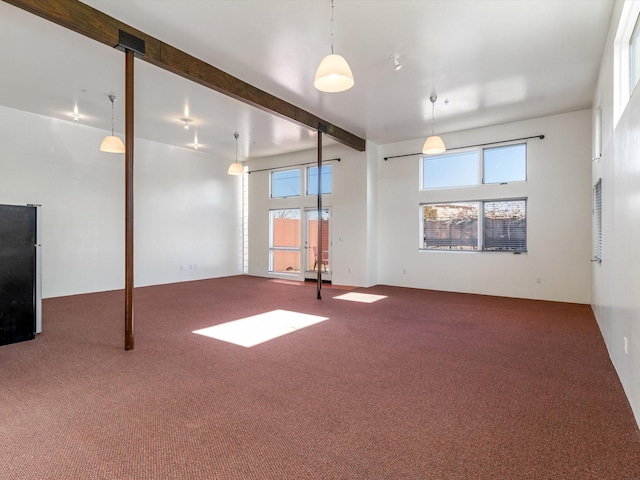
point(495, 61)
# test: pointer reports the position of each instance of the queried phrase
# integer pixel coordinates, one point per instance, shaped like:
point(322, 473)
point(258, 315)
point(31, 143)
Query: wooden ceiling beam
point(92, 23)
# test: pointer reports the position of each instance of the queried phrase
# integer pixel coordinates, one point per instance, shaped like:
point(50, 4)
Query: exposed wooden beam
point(88, 21)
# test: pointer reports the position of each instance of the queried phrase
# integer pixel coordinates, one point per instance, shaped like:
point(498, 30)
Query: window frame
point(308, 183)
point(283, 170)
point(480, 167)
point(634, 63)
point(481, 240)
point(622, 88)
point(293, 249)
point(526, 163)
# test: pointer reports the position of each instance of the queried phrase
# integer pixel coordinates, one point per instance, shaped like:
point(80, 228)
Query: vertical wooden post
point(319, 260)
point(128, 155)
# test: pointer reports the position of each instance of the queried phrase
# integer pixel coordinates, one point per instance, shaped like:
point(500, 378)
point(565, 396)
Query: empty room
point(320, 239)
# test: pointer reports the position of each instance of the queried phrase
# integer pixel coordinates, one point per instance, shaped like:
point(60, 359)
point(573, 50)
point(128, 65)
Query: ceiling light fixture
point(111, 143)
point(236, 168)
point(333, 74)
point(186, 123)
point(75, 114)
point(434, 144)
point(195, 141)
point(396, 62)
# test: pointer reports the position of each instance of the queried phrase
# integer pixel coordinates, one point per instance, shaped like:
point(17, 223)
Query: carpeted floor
point(419, 385)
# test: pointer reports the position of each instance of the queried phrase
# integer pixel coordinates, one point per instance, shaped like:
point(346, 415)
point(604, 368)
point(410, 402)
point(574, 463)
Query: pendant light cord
point(331, 38)
point(433, 99)
point(112, 129)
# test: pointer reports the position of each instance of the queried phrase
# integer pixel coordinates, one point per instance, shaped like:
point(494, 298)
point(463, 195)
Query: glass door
point(284, 242)
point(315, 259)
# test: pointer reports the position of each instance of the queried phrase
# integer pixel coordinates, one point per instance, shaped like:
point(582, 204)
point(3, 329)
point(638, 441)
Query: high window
point(501, 164)
point(456, 226)
point(505, 164)
point(312, 180)
point(285, 183)
point(634, 56)
point(450, 170)
point(626, 62)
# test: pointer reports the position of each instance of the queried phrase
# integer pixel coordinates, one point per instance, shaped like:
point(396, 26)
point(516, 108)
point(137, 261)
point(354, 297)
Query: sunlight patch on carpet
point(360, 297)
point(257, 329)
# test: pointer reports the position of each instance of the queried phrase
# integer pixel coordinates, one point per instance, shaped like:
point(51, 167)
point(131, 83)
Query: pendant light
point(434, 144)
point(236, 168)
point(333, 74)
point(111, 143)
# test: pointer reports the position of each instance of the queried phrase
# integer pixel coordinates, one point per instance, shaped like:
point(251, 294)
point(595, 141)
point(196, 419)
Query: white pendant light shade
point(333, 75)
point(112, 144)
point(433, 146)
point(235, 169)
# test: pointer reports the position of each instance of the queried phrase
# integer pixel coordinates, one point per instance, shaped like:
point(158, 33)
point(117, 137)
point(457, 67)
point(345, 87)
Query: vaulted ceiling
point(489, 62)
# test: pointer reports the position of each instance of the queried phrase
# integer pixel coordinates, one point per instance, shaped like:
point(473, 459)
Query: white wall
point(616, 282)
point(558, 217)
point(349, 219)
point(186, 207)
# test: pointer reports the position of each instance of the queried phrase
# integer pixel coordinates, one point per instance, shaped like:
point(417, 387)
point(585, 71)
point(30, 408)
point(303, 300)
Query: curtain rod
point(294, 165)
point(468, 146)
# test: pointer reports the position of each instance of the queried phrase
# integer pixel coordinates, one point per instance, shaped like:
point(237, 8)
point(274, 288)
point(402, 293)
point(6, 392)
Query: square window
point(312, 180)
point(505, 164)
point(285, 183)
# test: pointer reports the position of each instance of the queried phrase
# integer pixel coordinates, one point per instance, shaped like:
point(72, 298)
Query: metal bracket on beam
point(126, 41)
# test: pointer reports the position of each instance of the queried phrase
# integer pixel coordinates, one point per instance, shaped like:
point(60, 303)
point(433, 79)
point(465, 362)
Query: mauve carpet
point(420, 385)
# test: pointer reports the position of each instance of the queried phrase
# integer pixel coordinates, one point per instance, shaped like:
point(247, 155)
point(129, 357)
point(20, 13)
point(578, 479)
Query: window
point(505, 164)
point(626, 60)
point(450, 226)
point(505, 226)
point(284, 242)
point(450, 170)
point(634, 57)
point(455, 226)
point(597, 221)
point(312, 180)
point(498, 165)
point(285, 183)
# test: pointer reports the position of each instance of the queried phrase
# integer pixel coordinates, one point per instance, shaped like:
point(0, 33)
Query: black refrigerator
point(20, 295)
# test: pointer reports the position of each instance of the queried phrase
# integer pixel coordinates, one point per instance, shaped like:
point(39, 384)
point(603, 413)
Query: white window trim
point(621, 83)
point(480, 166)
point(481, 245)
point(284, 169)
